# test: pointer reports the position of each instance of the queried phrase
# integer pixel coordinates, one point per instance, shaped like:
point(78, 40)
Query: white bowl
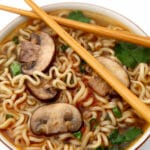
point(82, 6)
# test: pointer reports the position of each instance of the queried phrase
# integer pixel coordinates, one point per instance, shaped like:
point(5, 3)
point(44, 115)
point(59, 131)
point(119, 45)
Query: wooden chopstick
point(98, 30)
point(136, 103)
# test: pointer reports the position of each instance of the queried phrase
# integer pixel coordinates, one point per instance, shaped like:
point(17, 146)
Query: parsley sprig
point(131, 55)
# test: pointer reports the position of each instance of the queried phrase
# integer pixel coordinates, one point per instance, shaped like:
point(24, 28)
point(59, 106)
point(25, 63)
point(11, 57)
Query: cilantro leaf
point(124, 55)
point(141, 54)
point(132, 133)
point(64, 47)
point(117, 112)
point(131, 55)
point(78, 16)
point(15, 68)
point(127, 136)
point(78, 135)
point(118, 140)
point(113, 134)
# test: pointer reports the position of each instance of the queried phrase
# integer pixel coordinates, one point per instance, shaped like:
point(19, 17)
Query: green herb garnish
point(78, 135)
point(132, 133)
point(118, 140)
point(9, 116)
point(113, 134)
point(15, 68)
point(82, 66)
point(16, 40)
point(131, 55)
point(79, 16)
point(127, 136)
point(64, 47)
point(117, 112)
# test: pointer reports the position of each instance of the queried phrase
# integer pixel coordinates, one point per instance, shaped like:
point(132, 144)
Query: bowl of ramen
point(50, 99)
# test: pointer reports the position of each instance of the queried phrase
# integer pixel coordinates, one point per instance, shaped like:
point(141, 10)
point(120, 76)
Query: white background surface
point(136, 10)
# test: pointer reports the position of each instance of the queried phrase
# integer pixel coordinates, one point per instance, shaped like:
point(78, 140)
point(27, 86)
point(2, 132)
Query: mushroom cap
point(99, 85)
point(44, 91)
point(55, 118)
point(36, 56)
point(116, 69)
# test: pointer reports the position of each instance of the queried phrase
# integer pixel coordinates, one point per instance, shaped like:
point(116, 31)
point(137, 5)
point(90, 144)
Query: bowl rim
point(81, 6)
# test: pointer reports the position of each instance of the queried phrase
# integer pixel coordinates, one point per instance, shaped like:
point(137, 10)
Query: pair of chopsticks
point(128, 37)
point(127, 95)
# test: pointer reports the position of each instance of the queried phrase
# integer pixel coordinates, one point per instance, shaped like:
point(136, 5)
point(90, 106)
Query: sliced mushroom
point(36, 54)
point(99, 85)
point(55, 118)
point(116, 69)
point(44, 91)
